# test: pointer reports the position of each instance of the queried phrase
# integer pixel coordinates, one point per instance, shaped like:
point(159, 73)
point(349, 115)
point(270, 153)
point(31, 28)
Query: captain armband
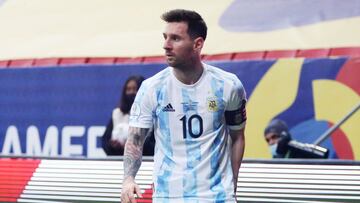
point(236, 117)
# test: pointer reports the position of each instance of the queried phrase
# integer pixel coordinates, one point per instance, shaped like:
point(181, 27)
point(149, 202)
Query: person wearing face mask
point(281, 144)
point(277, 136)
point(115, 136)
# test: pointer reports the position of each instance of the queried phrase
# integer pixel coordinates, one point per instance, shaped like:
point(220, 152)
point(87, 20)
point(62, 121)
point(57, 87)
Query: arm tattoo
point(133, 151)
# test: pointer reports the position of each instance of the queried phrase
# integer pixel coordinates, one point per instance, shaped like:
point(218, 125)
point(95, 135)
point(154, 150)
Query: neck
point(189, 74)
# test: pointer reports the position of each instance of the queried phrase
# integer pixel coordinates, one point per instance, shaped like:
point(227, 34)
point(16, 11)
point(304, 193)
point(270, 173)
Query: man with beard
point(198, 115)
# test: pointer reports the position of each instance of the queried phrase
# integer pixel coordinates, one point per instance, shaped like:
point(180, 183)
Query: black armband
point(237, 116)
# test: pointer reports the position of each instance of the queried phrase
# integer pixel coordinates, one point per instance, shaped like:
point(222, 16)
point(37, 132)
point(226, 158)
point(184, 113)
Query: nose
point(166, 45)
point(272, 141)
point(131, 91)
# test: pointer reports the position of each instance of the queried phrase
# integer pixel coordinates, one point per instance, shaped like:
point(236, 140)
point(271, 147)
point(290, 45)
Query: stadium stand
point(80, 180)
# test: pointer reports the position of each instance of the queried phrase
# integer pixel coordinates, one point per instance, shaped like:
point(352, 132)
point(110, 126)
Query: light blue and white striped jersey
point(192, 154)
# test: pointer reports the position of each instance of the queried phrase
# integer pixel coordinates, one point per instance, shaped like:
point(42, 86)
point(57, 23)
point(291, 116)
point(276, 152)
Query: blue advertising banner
point(62, 111)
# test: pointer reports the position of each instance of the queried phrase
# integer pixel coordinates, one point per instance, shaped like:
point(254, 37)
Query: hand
point(128, 190)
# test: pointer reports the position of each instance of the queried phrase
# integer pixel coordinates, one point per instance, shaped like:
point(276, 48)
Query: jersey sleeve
point(235, 112)
point(141, 113)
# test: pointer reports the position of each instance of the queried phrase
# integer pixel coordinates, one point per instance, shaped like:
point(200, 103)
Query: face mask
point(129, 98)
point(127, 103)
point(273, 148)
point(274, 153)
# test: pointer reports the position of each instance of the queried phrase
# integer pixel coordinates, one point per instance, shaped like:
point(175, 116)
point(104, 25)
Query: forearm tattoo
point(133, 151)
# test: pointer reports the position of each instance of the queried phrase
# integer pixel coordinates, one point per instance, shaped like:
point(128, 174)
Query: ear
point(198, 44)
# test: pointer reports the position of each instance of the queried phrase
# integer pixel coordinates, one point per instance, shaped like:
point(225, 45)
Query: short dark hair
point(196, 25)
point(277, 127)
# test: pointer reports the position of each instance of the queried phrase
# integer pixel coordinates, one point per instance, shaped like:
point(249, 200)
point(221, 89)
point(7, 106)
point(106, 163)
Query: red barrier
point(73, 61)
point(313, 53)
point(345, 51)
point(21, 63)
point(280, 54)
point(251, 55)
point(4, 64)
point(154, 59)
point(102, 60)
point(46, 62)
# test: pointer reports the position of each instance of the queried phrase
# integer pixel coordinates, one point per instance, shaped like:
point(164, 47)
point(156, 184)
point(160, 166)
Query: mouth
point(169, 54)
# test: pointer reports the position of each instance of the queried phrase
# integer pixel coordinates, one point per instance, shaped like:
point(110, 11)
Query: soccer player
point(198, 115)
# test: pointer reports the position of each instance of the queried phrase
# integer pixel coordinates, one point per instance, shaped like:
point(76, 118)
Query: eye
point(176, 38)
point(276, 136)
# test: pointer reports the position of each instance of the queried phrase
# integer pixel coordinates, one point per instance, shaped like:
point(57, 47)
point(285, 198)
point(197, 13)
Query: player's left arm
point(238, 147)
point(235, 116)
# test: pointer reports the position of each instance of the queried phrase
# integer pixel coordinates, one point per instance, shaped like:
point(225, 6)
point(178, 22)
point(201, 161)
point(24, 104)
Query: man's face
point(178, 45)
point(272, 138)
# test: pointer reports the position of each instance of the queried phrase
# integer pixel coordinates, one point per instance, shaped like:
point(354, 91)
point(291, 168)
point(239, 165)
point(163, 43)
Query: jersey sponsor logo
point(212, 104)
point(168, 108)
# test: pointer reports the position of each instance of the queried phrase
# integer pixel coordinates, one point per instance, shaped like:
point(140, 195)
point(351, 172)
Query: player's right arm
point(140, 123)
point(132, 161)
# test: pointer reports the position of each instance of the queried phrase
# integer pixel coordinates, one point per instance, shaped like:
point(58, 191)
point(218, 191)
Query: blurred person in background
point(275, 131)
point(282, 145)
point(116, 133)
point(198, 115)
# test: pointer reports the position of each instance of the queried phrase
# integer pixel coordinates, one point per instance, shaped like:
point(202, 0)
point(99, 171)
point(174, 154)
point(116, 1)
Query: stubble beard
point(175, 63)
point(180, 64)
point(171, 61)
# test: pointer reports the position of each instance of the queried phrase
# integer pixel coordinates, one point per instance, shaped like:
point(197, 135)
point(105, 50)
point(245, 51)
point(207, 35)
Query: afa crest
point(212, 104)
